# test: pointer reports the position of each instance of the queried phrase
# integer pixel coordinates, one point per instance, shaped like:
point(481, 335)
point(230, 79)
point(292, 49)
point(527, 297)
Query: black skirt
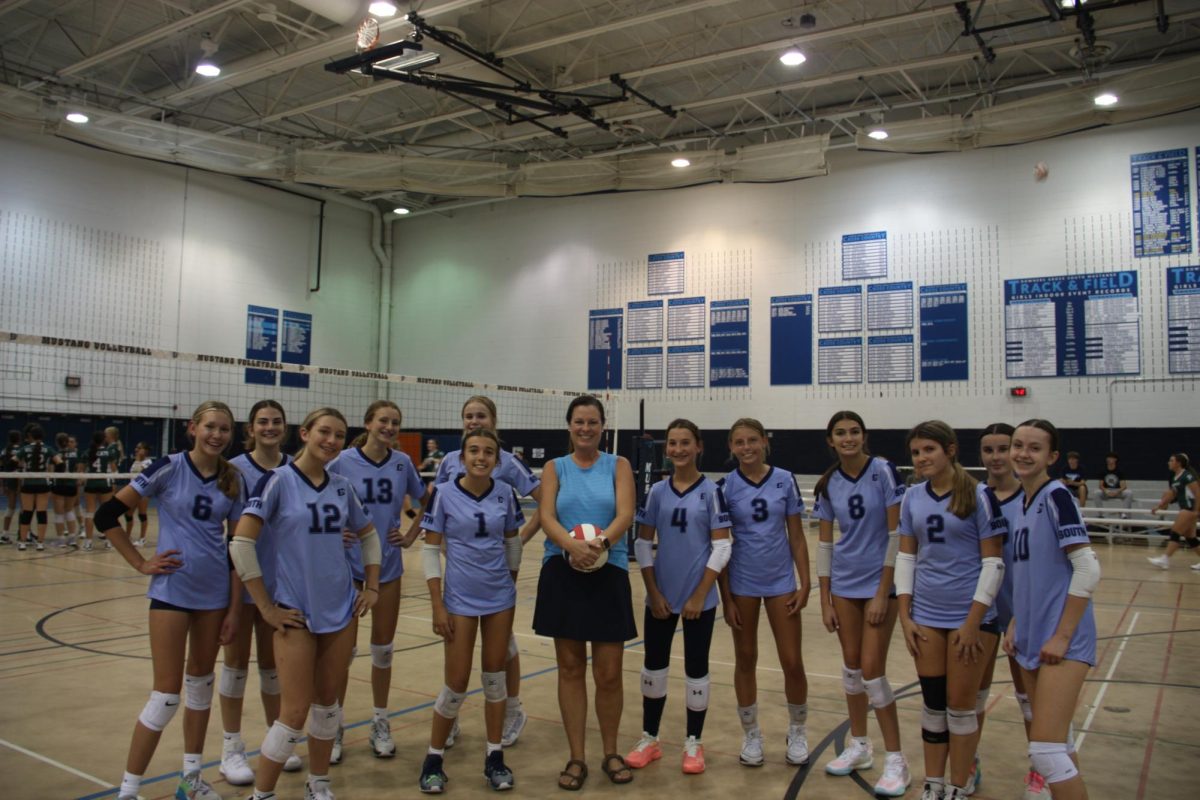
point(584, 606)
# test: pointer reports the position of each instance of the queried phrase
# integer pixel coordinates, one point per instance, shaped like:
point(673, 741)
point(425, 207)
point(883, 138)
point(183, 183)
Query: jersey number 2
point(935, 524)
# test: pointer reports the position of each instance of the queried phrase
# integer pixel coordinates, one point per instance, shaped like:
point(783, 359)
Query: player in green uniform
point(35, 456)
point(64, 493)
point(1182, 488)
point(96, 491)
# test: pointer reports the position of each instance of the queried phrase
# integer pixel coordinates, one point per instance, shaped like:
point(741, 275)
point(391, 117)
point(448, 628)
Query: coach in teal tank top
point(575, 607)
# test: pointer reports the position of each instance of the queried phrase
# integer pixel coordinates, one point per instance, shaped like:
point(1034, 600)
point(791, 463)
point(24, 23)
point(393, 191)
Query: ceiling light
point(878, 134)
point(208, 69)
point(401, 211)
point(680, 162)
point(1070, 3)
point(792, 57)
point(382, 8)
point(77, 117)
point(410, 60)
point(1105, 99)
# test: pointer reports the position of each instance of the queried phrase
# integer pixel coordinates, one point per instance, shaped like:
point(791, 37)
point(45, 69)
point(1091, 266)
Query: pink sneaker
point(693, 756)
point(1035, 787)
point(645, 751)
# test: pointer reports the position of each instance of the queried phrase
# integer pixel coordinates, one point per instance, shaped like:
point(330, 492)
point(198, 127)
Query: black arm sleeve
point(108, 515)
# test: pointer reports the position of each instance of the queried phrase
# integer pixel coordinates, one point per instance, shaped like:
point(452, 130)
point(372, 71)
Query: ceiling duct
point(339, 11)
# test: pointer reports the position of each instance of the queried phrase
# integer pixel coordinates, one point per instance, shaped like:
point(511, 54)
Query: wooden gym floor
point(75, 672)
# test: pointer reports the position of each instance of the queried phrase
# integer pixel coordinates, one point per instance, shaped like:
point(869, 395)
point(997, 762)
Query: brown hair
point(962, 492)
point(487, 403)
point(754, 425)
point(1050, 430)
point(823, 482)
point(486, 433)
point(248, 442)
point(373, 409)
point(1181, 459)
point(689, 426)
point(584, 400)
point(316, 414)
point(227, 474)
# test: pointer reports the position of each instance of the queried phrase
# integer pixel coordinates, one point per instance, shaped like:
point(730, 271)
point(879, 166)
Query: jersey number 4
point(327, 519)
point(679, 519)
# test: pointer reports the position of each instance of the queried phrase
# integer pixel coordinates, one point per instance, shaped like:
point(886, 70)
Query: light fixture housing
point(878, 134)
point(792, 57)
point(382, 8)
point(208, 69)
point(77, 117)
point(1105, 99)
point(400, 211)
point(680, 162)
point(1070, 3)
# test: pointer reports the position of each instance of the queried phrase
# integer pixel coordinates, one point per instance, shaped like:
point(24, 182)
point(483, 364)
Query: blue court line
point(251, 753)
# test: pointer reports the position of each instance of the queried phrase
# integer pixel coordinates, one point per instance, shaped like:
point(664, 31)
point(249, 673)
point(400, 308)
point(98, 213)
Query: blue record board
point(1162, 211)
point(792, 340)
point(729, 343)
point(604, 348)
point(944, 352)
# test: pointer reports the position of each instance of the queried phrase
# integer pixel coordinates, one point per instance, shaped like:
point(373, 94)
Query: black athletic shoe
point(433, 778)
point(499, 776)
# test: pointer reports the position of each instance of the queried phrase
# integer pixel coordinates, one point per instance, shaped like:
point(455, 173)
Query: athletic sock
point(798, 713)
point(232, 738)
point(380, 714)
point(749, 716)
point(494, 747)
point(652, 711)
point(512, 705)
point(192, 762)
point(433, 751)
point(130, 784)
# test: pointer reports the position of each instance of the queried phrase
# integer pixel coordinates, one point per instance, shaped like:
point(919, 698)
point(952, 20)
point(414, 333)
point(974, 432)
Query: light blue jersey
point(381, 486)
point(192, 513)
point(684, 522)
point(509, 469)
point(761, 563)
point(1010, 507)
point(859, 507)
point(252, 473)
point(1045, 526)
point(312, 573)
point(588, 496)
point(477, 579)
point(948, 555)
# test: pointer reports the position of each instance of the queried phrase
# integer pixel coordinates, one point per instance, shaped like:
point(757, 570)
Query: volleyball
point(1040, 171)
point(585, 532)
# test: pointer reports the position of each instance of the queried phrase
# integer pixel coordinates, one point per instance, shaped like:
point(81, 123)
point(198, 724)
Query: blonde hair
point(754, 425)
point(227, 474)
point(484, 401)
point(313, 416)
point(962, 491)
point(115, 433)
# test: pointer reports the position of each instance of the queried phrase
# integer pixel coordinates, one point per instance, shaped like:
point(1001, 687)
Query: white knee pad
point(495, 686)
point(961, 721)
point(268, 680)
point(280, 742)
point(381, 656)
point(56, 518)
point(933, 720)
point(512, 647)
point(449, 702)
point(1026, 706)
point(1052, 761)
point(879, 692)
point(654, 683)
point(70, 515)
point(697, 693)
point(852, 680)
point(198, 691)
point(323, 721)
point(981, 698)
point(233, 682)
point(158, 710)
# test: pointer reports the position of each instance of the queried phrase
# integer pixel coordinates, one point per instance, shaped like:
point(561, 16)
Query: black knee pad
point(933, 692)
point(1191, 543)
point(143, 517)
point(934, 727)
point(129, 516)
point(41, 517)
point(26, 517)
point(1175, 537)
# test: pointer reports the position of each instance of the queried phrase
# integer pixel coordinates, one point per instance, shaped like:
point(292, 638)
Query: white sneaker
point(321, 791)
point(955, 793)
point(87, 546)
point(513, 725)
point(453, 737)
point(857, 755)
point(107, 544)
point(1035, 787)
point(21, 545)
point(335, 755)
point(194, 787)
point(1160, 562)
point(933, 791)
point(895, 779)
point(752, 748)
point(234, 765)
point(797, 746)
point(293, 764)
point(139, 543)
point(382, 744)
point(974, 778)
point(40, 547)
point(1196, 566)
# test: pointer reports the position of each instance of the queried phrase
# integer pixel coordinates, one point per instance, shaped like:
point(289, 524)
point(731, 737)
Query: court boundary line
point(1099, 698)
point(59, 764)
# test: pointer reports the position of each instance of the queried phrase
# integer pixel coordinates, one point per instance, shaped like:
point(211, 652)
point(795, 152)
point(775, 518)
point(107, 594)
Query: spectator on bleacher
point(1113, 487)
point(1072, 478)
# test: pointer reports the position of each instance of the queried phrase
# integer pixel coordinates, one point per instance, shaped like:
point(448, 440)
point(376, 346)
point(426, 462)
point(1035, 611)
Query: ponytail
point(358, 441)
point(823, 482)
point(962, 496)
point(228, 477)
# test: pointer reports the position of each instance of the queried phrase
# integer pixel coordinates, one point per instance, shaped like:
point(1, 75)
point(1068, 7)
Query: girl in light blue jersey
point(383, 478)
point(264, 432)
point(948, 572)
point(307, 508)
point(768, 551)
point(1053, 632)
point(689, 517)
point(198, 492)
point(479, 518)
point(480, 412)
point(862, 494)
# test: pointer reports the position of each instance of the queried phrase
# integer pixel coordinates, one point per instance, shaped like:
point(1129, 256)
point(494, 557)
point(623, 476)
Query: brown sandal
point(614, 774)
point(573, 782)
